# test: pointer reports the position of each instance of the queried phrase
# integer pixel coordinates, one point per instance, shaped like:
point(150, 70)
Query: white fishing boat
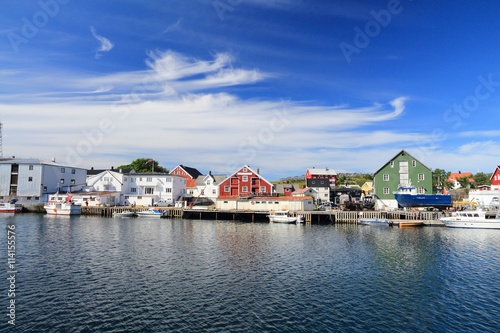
point(375, 221)
point(284, 216)
point(473, 219)
point(10, 207)
point(61, 205)
point(151, 213)
point(125, 213)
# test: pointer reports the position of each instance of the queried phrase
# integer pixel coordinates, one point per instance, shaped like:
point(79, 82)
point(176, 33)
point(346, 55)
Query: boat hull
point(63, 209)
point(493, 224)
point(376, 222)
point(10, 208)
point(423, 200)
point(151, 213)
point(282, 219)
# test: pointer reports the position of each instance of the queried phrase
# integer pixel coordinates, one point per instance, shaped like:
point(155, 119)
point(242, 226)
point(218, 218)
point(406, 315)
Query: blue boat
point(407, 196)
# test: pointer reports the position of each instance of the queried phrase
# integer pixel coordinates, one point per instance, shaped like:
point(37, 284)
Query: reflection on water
point(86, 274)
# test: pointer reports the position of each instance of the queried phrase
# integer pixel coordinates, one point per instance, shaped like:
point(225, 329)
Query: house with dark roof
point(185, 171)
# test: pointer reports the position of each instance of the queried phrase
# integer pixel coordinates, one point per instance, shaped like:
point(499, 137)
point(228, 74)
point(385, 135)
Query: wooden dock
point(398, 218)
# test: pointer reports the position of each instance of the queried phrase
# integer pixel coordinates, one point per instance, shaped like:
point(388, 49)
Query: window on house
point(125, 179)
point(73, 171)
point(132, 180)
point(30, 179)
point(133, 190)
point(386, 177)
point(421, 190)
point(30, 167)
point(413, 163)
point(392, 164)
point(421, 176)
point(73, 182)
point(214, 191)
point(168, 190)
point(244, 178)
point(226, 188)
point(45, 188)
point(386, 190)
point(62, 181)
point(148, 190)
point(263, 189)
point(244, 169)
point(149, 179)
point(244, 189)
point(63, 170)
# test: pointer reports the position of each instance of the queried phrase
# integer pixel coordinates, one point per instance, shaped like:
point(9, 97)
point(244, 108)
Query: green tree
point(144, 165)
point(464, 182)
point(482, 178)
point(440, 179)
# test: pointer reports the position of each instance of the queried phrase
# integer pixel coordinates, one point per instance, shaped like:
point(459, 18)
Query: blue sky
point(279, 85)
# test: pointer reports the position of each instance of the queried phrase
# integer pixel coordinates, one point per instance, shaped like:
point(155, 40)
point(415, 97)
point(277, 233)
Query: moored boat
point(284, 216)
point(472, 219)
point(10, 207)
point(125, 213)
point(151, 213)
point(58, 205)
point(375, 221)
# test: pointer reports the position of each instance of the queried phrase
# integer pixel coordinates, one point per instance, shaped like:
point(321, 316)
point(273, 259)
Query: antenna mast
point(1, 150)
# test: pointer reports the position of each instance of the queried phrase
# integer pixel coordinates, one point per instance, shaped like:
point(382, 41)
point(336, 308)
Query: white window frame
point(386, 190)
point(385, 177)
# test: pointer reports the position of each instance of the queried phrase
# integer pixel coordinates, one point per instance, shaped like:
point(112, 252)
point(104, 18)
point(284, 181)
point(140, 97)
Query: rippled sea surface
point(88, 274)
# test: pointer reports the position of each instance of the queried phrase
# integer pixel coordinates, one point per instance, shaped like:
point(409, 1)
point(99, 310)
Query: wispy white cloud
point(142, 116)
point(173, 27)
point(105, 44)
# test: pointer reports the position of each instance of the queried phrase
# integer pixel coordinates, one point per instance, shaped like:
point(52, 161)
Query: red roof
point(458, 175)
point(190, 183)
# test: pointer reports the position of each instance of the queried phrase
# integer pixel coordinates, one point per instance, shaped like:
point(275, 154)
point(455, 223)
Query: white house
point(266, 204)
point(31, 180)
point(142, 189)
point(207, 188)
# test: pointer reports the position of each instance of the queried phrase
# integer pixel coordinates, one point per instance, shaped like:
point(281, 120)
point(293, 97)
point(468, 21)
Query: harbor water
point(92, 274)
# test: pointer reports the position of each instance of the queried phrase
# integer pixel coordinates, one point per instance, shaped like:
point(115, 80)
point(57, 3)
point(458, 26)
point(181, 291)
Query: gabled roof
point(246, 166)
point(458, 175)
point(402, 152)
point(217, 179)
point(194, 173)
point(494, 172)
point(191, 183)
point(302, 190)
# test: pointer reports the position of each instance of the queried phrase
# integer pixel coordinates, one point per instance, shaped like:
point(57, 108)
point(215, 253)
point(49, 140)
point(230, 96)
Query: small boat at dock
point(58, 205)
point(151, 213)
point(10, 207)
point(125, 213)
point(284, 216)
point(471, 219)
point(375, 221)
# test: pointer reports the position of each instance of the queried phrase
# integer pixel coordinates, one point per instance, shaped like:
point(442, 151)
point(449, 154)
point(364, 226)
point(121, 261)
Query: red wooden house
point(245, 182)
point(186, 172)
point(495, 178)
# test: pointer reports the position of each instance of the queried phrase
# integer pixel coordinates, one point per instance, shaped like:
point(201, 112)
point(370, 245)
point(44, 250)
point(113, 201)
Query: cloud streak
point(105, 44)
